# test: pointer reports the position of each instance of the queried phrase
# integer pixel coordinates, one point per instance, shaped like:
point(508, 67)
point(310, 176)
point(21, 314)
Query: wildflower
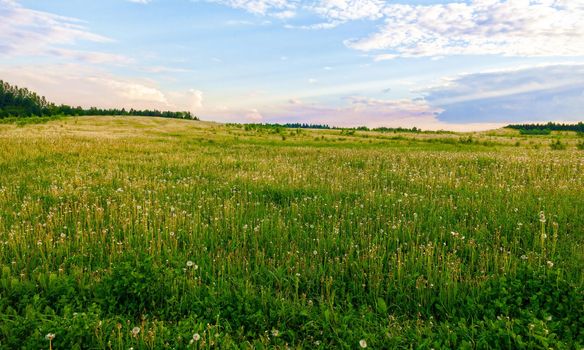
point(196, 337)
point(190, 263)
point(135, 331)
point(550, 264)
point(315, 252)
point(275, 332)
point(50, 336)
point(363, 343)
point(541, 217)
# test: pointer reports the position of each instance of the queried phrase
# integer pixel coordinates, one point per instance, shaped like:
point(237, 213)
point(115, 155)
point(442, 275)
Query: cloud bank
point(529, 94)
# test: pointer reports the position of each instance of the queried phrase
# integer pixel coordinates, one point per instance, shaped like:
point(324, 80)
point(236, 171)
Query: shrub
point(557, 145)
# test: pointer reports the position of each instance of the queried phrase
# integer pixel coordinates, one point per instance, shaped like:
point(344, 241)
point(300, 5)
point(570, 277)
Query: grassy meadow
point(147, 233)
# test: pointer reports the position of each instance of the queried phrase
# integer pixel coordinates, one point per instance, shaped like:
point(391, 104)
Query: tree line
point(21, 103)
point(538, 129)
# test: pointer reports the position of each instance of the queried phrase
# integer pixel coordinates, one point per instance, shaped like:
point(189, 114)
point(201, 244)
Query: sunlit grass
point(301, 238)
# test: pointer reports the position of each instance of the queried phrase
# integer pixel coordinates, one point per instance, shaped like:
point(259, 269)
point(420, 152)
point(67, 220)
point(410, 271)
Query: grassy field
point(150, 233)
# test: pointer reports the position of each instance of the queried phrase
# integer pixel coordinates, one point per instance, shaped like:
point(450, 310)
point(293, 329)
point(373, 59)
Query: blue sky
point(460, 65)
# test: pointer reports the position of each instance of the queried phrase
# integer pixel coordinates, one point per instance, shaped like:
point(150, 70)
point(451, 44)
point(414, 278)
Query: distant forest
point(251, 126)
point(21, 102)
point(543, 129)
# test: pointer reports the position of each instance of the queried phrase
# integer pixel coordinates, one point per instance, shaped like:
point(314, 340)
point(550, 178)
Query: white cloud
point(503, 27)
point(254, 115)
point(476, 27)
point(74, 84)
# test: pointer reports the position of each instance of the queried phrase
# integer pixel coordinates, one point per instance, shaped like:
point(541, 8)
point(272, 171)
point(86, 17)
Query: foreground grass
point(145, 233)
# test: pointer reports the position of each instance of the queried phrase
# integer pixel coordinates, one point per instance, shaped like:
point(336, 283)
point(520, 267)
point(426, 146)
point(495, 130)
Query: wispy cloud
point(349, 10)
point(26, 32)
point(275, 8)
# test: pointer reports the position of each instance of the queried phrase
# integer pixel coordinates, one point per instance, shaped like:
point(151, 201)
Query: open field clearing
point(153, 233)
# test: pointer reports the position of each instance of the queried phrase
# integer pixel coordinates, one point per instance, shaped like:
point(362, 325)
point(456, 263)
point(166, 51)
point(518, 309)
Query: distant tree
point(579, 127)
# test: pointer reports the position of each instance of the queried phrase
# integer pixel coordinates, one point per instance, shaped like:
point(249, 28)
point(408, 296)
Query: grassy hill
point(152, 233)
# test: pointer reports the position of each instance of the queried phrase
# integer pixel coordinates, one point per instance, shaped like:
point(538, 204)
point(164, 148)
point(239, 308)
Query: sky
point(433, 64)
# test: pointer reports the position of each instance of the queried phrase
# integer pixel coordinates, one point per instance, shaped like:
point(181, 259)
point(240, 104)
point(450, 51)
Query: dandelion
point(363, 343)
point(275, 332)
point(135, 331)
point(190, 263)
point(196, 337)
point(315, 252)
point(550, 264)
point(50, 337)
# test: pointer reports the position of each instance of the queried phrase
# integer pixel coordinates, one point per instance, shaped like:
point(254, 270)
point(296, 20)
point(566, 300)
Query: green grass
point(320, 240)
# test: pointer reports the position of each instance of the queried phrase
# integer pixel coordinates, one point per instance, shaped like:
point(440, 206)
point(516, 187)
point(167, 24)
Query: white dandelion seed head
point(190, 263)
point(363, 343)
point(196, 337)
point(50, 336)
point(135, 331)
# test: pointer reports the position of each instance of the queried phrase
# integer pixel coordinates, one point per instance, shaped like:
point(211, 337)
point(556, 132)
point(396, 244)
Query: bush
point(557, 145)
